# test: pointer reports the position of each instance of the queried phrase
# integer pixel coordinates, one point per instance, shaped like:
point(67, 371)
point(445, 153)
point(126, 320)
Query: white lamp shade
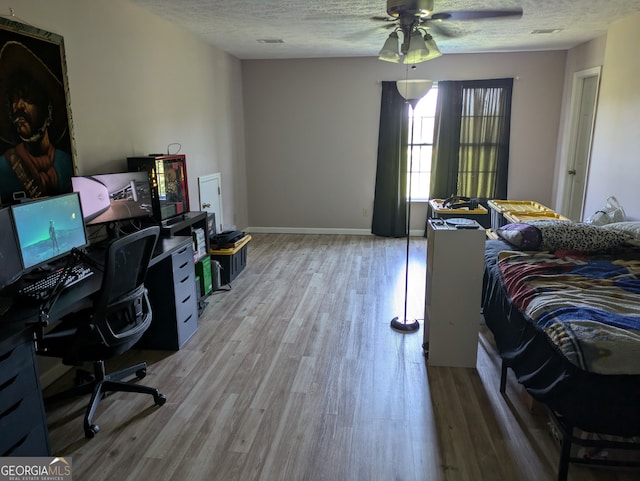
point(413, 89)
point(389, 52)
point(434, 51)
point(418, 51)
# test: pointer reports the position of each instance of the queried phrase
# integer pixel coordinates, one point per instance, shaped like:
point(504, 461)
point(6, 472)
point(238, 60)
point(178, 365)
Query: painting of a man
point(33, 119)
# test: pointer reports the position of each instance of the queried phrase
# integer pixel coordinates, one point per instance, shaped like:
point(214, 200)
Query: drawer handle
point(186, 298)
point(8, 383)
point(6, 355)
point(187, 319)
point(184, 280)
point(11, 409)
point(182, 250)
point(12, 449)
point(183, 265)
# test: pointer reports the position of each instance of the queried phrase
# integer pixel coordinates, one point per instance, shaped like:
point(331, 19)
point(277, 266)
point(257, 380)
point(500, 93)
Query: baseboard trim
point(306, 230)
point(316, 230)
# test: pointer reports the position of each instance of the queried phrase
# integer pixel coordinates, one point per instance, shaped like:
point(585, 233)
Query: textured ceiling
point(346, 28)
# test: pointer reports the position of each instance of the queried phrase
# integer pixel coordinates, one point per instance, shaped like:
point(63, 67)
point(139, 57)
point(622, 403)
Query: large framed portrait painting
point(36, 130)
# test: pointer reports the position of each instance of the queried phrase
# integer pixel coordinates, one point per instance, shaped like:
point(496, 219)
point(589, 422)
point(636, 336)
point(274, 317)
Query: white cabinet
point(455, 259)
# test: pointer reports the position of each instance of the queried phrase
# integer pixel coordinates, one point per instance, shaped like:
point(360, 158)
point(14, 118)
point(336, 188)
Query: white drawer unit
point(455, 257)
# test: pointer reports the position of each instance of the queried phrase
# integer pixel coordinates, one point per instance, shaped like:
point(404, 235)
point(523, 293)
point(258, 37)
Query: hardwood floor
point(295, 374)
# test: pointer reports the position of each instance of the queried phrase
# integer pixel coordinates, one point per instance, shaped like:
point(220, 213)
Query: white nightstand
point(455, 258)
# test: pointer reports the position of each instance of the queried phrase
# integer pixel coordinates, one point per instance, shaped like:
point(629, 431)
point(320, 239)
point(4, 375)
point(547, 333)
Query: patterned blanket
point(589, 306)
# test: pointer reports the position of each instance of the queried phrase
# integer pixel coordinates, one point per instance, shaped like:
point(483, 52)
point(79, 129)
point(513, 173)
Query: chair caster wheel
point(160, 399)
point(91, 431)
point(140, 373)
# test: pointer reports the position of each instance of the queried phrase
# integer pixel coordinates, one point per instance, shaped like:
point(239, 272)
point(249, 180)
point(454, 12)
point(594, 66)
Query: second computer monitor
point(48, 228)
point(112, 197)
point(9, 252)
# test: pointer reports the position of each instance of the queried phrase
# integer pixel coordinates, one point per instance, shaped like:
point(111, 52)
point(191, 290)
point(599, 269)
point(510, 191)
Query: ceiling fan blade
point(461, 15)
point(439, 30)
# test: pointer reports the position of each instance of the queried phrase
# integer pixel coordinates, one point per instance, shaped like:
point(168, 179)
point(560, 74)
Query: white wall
point(138, 83)
point(312, 132)
point(615, 161)
point(582, 57)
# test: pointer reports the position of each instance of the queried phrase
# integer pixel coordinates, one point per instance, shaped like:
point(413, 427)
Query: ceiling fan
point(414, 17)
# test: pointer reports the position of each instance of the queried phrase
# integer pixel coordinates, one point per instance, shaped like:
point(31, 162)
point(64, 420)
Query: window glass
point(422, 147)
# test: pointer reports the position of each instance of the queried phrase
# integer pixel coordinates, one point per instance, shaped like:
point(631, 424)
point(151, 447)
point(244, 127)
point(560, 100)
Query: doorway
point(584, 100)
point(211, 197)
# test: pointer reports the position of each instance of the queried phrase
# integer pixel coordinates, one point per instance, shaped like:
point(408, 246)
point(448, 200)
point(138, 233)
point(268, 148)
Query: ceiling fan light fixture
point(418, 51)
point(434, 51)
point(389, 51)
point(418, 8)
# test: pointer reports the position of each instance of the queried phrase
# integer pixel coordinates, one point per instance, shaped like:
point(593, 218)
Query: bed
point(563, 303)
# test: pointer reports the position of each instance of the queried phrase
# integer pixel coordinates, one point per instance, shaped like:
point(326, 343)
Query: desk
point(22, 416)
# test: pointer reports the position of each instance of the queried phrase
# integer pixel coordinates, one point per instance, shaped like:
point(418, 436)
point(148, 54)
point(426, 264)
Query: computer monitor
point(48, 229)
point(9, 252)
point(112, 197)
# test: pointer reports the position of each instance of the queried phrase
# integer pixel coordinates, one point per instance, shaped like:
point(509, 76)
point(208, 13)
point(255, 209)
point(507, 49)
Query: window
point(481, 140)
point(471, 151)
point(422, 145)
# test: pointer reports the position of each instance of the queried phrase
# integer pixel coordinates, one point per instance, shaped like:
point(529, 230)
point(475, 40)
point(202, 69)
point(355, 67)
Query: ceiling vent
point(543, 31)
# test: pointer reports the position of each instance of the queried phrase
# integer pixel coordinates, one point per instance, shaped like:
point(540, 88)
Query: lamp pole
point(412, 91)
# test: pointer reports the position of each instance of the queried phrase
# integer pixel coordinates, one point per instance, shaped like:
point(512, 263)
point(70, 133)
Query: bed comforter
point(568, 325)
point(588, 305)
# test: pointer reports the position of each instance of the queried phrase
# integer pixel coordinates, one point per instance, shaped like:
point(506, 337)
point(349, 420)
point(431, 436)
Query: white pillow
point(632, 228)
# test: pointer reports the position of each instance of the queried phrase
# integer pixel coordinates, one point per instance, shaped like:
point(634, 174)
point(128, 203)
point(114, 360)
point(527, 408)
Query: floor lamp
point(412, 91)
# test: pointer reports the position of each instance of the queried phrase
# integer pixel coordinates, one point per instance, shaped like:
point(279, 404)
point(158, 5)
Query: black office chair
point(118, 317)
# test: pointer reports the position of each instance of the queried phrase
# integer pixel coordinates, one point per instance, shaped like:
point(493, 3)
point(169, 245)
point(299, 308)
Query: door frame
point(577, 91)
point(206, 178)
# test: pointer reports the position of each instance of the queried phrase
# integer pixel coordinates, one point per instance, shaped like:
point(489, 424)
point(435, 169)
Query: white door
point(583, 109)
point(211, 197)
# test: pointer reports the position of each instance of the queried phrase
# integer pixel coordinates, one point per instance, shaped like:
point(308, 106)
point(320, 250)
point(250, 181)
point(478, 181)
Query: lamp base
point(404, 326)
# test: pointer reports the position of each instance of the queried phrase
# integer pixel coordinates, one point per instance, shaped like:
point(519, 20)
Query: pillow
point(631, 228)
point(520, 235)
point(569, 235)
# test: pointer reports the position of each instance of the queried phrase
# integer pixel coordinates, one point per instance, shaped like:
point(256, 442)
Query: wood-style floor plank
point(295, 374)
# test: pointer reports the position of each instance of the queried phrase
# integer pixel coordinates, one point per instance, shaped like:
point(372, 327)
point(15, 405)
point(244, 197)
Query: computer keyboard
point(41, 288)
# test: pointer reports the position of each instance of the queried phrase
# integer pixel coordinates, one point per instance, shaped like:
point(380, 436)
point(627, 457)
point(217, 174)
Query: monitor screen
point(168, 179)
point(112, 197)
point(9, 254)
point(48, 228)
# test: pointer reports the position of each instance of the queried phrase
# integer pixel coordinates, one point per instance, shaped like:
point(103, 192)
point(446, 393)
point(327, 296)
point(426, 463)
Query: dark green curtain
point(471, 139)
point(446, 140)
point(390, 201)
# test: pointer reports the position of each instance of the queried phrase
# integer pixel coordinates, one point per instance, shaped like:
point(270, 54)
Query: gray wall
point(312, 133)
point(138, 83)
